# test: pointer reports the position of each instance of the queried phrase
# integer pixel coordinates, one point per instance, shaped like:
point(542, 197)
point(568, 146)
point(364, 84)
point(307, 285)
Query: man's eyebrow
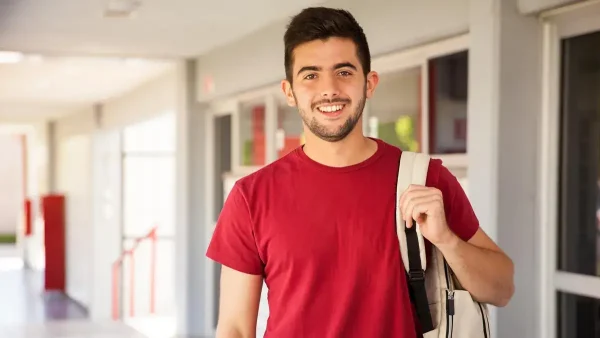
point(317, 68)
point(309, 68)
point(344, 65)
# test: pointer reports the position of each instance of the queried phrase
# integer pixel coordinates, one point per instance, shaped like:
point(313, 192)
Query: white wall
point(257, 60)
point(149, 100)
point(11, 182)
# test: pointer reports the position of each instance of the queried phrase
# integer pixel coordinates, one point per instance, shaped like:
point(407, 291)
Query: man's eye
point(345, 73)
point(310, 77)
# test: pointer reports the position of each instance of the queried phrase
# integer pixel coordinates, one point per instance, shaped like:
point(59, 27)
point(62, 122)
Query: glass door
point(571, 226)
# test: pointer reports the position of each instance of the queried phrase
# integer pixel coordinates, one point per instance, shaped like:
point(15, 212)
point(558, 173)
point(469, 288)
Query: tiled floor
point(25, 312)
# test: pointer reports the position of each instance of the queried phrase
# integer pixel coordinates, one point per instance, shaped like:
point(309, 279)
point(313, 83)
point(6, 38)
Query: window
point(252, 133)
point(579, 212)
point(289, 129)
point(148, 201)
point(579, 316)
point(448, 93)
point(154, 135)
point(397, 115)
point(395, 109)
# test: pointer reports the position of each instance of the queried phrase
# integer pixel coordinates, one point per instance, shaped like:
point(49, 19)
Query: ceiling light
point(121, 8)
point(10, 57)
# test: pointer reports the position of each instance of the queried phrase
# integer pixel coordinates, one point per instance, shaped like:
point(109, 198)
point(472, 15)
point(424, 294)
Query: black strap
point(416, 280)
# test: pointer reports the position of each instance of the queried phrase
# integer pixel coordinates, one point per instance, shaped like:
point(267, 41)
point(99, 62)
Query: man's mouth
point(331, 108)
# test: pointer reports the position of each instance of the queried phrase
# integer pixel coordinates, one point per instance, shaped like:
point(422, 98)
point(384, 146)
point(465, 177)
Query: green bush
point(8, 238)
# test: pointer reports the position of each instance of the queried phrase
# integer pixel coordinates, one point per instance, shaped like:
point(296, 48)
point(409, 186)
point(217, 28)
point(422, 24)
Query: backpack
point(443, 307)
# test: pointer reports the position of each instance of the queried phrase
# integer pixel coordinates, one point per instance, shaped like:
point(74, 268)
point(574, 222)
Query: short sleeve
point(233, 243)
point(460, 215)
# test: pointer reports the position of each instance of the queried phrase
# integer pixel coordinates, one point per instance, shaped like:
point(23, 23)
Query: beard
point(322, 131)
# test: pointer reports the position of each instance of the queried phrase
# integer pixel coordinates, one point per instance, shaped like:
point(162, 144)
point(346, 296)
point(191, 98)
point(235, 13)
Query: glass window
point(252, 133)
point(149, 177)
point(395, 109)
point(164, 272)
point(448, 84)
point(148, 195)
point(154, 135)
point(579, 211)
point(289, 129)
point(578, 316)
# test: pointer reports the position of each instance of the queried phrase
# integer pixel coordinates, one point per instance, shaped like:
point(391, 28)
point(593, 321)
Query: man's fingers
point(413, 207)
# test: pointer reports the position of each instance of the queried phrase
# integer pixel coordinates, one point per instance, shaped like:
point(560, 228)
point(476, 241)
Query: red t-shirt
point(325, 240)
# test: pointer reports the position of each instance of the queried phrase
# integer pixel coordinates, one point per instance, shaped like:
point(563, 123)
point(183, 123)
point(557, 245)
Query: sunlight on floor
point(154, 326)
point(10, 263)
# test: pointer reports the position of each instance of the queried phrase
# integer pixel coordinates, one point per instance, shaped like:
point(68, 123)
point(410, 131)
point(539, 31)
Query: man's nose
point(329, 86)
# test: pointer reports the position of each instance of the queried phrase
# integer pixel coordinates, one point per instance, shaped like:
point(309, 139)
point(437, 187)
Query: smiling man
point(318, 225)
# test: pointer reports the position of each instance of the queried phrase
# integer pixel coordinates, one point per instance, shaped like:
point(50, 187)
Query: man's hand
point(479, 264)
point(426, 206)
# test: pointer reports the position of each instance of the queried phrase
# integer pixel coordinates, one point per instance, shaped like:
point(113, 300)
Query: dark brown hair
point(321, 23)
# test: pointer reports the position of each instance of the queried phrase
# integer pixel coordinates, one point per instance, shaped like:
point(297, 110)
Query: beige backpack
point(443, 307)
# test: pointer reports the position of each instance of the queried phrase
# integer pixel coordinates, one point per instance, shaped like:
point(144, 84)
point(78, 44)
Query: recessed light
point(10, 57)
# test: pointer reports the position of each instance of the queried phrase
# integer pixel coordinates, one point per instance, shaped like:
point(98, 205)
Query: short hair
point(322, 23)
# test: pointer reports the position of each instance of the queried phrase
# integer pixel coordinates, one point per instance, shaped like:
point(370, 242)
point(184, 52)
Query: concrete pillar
point(503, 112)
point(193, 280)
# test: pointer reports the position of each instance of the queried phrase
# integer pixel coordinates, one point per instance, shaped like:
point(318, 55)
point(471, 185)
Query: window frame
point(557, 24)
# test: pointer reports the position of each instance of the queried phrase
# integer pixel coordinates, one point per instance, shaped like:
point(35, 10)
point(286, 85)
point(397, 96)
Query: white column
point(194, 272)
point(106, 220)
point(504, 105)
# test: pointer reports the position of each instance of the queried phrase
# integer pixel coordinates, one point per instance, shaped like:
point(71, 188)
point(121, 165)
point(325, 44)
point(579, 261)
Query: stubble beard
point(342, 132)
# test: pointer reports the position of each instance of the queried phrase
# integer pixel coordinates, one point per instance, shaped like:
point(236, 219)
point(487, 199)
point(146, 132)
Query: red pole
point(153, 271)
point(132, 283)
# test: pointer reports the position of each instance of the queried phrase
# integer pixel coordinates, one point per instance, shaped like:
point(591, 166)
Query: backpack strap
point(413, 170)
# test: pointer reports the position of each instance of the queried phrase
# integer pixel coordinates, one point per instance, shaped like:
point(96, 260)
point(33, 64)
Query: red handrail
point(118, 264)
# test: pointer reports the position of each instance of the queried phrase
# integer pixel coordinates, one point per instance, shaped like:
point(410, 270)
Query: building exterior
point(504, 91)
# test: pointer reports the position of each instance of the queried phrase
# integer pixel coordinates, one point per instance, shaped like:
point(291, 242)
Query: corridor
point(25, 312)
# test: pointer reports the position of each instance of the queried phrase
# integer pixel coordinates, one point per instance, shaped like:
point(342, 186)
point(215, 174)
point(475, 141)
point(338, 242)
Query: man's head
point(328, 71)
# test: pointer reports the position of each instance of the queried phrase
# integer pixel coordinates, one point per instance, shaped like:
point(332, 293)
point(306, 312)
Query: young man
point(319, 224)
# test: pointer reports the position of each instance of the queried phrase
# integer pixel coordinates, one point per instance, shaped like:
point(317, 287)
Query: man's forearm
point(486, 274)
point(224, 331)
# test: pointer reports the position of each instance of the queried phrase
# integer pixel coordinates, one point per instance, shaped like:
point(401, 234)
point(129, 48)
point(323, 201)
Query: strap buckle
point(416, 275)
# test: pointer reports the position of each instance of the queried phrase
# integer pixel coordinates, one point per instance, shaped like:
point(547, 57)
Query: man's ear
point(286, 87)
point(372, 81)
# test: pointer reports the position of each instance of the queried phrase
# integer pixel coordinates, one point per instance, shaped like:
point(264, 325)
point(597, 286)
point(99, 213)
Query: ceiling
point(76, 56)
point(158, 28)
point(49, 87)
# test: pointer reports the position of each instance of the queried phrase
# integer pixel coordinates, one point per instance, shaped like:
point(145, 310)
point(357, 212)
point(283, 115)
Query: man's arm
point(479, 264)
point(481, 267)
point(238, 305)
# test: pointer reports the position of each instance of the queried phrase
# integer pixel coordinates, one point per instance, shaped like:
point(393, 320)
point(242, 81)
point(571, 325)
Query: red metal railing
point(117, 268)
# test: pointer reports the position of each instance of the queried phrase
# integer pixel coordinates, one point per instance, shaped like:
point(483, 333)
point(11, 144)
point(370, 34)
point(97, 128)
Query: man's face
point(329, 87)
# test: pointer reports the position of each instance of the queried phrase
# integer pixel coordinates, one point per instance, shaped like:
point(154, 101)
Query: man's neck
point(353, 149)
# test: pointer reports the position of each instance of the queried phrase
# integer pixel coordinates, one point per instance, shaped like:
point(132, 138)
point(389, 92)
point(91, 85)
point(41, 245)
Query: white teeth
point(330, 109)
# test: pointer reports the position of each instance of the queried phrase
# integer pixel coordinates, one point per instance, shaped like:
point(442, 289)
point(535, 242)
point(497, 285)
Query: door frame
point(557, 24)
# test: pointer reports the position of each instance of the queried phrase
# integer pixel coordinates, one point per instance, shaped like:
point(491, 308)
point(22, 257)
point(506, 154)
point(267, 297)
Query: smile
point(331, 109)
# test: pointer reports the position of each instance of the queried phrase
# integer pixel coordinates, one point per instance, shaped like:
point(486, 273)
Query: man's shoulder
point(271, 174)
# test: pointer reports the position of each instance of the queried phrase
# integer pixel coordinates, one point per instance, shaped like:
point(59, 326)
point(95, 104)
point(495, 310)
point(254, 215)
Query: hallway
point(26, 313)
